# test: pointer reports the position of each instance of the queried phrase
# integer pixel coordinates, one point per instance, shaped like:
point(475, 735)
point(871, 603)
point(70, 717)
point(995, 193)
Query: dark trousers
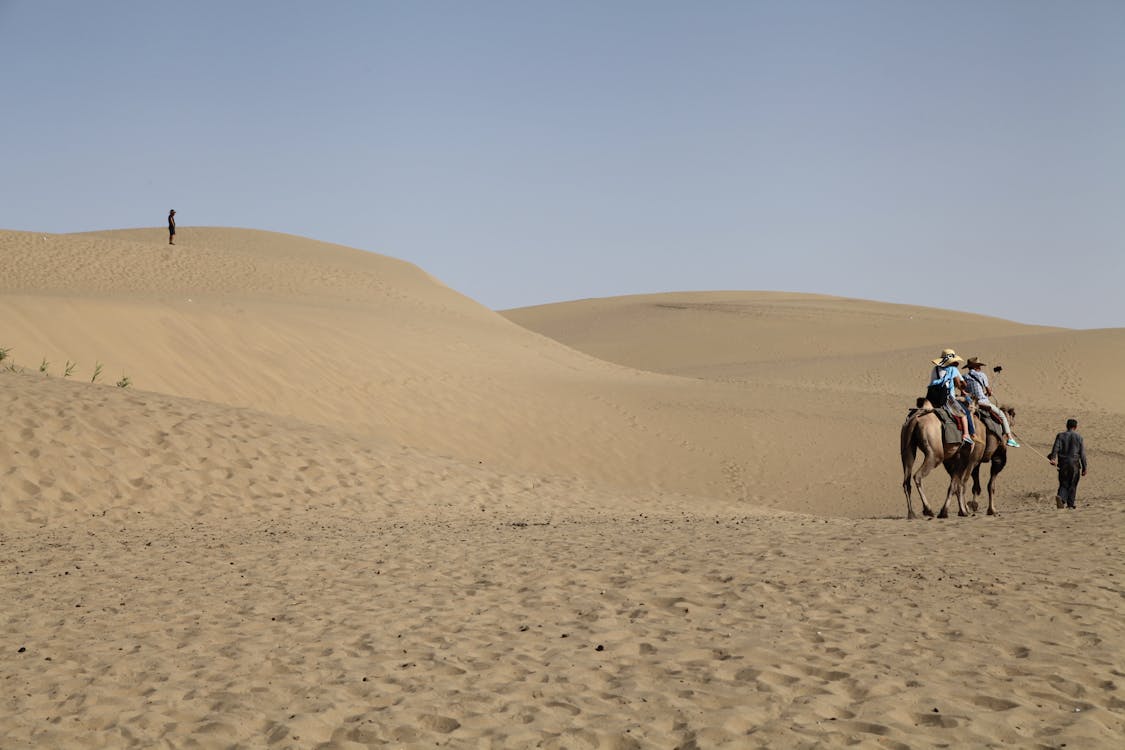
point(1069, 474)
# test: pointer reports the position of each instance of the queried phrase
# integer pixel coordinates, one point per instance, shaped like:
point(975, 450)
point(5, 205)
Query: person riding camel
point(980, 389)
point(945, 381)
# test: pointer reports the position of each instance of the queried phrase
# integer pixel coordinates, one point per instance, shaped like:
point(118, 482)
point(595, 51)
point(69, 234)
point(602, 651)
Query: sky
point(965, 154)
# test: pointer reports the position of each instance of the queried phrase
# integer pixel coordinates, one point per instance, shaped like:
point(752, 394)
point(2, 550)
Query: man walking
point(172, 227)
point(1069, 454)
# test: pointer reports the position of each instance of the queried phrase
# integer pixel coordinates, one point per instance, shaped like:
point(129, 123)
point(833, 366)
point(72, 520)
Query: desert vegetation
point(8, 364)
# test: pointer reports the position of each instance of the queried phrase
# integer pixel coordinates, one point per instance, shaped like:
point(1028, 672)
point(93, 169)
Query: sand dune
point(855, 359)
point(346, 506)
point(708, 334)
point(813, 339)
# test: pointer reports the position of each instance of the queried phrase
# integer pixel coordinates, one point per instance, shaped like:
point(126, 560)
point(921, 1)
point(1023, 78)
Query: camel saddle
point(991, 423)
point(950, 432)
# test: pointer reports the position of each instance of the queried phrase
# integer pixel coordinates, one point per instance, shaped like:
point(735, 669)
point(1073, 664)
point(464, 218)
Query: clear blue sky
point(966, 155)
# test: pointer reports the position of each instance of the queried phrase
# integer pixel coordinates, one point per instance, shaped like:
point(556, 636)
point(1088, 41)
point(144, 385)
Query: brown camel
point(922, 432)
point(996, 454)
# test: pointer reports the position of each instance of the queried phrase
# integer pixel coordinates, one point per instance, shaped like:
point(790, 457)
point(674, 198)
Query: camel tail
point(908, 450)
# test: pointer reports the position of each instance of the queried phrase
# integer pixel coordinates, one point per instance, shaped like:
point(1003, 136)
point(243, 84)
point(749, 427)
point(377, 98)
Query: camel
point(996, 454)
point(922, 432)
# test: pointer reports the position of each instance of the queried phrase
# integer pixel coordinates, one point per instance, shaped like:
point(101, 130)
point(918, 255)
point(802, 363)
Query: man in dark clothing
point(1069, 454)
point(172, 227)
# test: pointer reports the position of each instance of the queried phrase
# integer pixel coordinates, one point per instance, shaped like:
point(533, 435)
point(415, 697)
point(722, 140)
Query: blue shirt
point(946, 375)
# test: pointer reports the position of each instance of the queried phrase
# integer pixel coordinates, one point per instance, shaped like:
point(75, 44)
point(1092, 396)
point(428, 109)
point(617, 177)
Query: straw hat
point(948, 357)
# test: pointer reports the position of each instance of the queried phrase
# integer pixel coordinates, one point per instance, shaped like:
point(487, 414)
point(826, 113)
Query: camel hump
point(921, 408)
point(912, 415)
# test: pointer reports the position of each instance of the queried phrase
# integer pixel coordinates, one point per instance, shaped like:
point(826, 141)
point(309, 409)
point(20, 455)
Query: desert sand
point(342, 505)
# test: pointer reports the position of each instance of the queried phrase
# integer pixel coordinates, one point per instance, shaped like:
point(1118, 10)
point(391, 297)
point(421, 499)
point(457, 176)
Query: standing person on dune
point(172, 227)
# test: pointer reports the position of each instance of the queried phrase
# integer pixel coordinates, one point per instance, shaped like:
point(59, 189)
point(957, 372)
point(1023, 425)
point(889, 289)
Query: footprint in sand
point(865, 727)
point(938, 720)
point(435, 723)
point(994, 704)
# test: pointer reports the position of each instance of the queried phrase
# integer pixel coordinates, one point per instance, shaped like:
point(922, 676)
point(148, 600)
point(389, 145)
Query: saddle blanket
point(950, 432)
point(991, 423)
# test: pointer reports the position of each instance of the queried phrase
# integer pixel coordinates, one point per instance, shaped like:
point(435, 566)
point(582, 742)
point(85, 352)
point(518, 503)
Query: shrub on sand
point(68, 369)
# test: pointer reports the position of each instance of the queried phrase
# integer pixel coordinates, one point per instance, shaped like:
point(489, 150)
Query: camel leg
point(998, 463)
point(991, 493)
point(919, 475)
point(929, 462)
point(962, 480)
point(974, 505)
point(944, 512)
point(956, 487)
point(957, 480)
point(908, 467)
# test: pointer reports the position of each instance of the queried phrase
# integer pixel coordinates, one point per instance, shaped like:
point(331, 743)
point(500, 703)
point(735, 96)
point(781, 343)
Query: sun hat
point(948, 357)
point(974, 362)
